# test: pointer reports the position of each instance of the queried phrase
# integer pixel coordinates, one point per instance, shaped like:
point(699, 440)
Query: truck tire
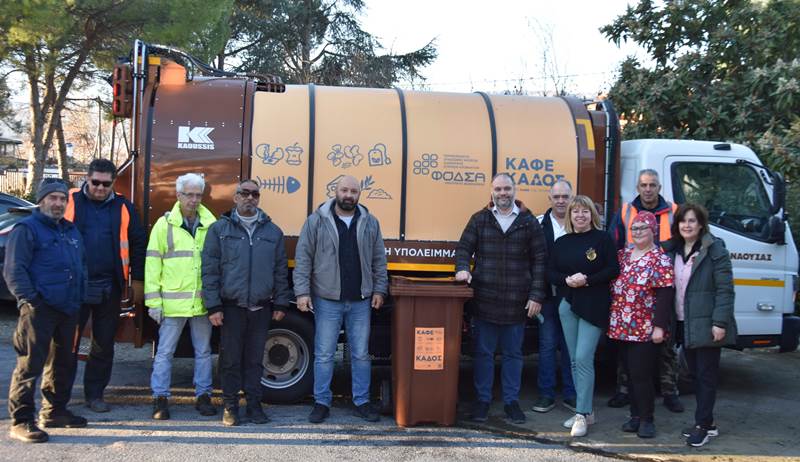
point(790, 337)
point(288, 359)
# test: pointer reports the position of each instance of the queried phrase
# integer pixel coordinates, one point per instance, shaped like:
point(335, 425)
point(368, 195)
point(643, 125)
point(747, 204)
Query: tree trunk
point(63, 166)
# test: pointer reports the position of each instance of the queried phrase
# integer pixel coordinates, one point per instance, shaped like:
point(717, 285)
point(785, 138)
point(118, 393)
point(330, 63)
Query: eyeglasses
point(105, 184)
point(639, 229)
point(249, 193)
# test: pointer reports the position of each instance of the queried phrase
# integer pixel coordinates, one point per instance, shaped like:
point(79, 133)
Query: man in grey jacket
point(340, 272)
point(245, 284)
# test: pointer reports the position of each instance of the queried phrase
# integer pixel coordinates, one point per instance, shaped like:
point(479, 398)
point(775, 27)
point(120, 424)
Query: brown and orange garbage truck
point(425, 161)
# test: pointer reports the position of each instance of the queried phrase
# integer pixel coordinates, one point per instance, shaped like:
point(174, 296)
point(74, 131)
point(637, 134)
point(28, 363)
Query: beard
point(504, 202)
point(346, 204)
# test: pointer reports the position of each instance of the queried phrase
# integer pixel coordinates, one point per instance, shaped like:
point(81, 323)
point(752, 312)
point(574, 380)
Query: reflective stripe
point(178, 295)
point(179, 253)
point(629, 213)
point(153, 253)
point(152, 295)
point(170, 238)
point(124, 245)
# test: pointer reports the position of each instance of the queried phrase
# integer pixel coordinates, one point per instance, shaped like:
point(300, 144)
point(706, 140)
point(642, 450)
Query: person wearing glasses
point(173, 292)
point(111, 229)
point(245, 285)
point(45, 270)
point(641, 304)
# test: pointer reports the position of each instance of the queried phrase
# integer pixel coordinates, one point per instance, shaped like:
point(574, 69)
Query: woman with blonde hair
point(581, 266)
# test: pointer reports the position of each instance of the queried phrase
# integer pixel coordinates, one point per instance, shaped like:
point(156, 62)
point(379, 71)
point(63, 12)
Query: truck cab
point(746, 210)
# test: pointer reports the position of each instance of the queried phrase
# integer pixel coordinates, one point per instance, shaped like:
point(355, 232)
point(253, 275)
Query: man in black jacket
point(510, 256)
point(551, 337)
point(245, 285)
point(116, 243)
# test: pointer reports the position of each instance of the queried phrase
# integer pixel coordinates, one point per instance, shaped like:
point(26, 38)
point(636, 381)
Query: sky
point(490, 46)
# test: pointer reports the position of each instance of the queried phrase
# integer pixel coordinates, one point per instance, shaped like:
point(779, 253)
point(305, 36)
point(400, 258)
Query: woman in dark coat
point(581, 266)
point(703, 308)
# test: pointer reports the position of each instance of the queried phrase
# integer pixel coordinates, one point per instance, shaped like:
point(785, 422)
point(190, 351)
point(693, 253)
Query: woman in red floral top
point(641, 303)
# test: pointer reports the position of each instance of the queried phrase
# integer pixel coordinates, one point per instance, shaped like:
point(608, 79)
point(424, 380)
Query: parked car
point(12, 216)
point(7, 201)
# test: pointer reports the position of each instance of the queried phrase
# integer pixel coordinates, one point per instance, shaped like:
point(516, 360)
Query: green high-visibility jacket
point(172, 279)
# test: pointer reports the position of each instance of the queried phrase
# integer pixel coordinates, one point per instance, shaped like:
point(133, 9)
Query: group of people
point(72, 259)
point(657, 281)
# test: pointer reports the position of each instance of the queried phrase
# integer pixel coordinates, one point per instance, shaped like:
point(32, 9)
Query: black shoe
point(544, 404)
point(673, 403)
point(319, 413)
point(97, 405)
point(632, 425)
point(204, 406)
point(480, 412)
point(62, 419)
point(514, 413)
point(619, 400)
point(698, 437)
point(160, 408)
point(366, 412)
point(28, 432)
point(230, 417)
point(646, 430)
point(712, 431)
point(255, 414)
point(571, 404)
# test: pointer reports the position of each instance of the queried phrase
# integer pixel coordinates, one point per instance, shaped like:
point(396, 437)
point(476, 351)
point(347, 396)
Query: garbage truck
point(425, 161)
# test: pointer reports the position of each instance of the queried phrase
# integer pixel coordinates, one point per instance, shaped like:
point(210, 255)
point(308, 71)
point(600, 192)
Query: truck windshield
point(733, 194)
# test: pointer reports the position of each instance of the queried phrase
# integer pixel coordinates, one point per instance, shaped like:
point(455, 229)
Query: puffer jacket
point(709, 293)
point(242, 269)
point(317, 271)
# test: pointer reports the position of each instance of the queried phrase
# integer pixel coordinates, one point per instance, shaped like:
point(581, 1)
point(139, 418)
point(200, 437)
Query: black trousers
point(105, 319)
point(640, 360)
point(43, 341)
point(244, 335)
point(704, 367)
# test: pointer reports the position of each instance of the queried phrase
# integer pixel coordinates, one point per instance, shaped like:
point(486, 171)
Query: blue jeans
point(581, 337)
point(328, 318)
point(551, 339)
point(168, 335)
point(486, 336)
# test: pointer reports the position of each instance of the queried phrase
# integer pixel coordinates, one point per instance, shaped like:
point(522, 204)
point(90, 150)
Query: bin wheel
point(386, 397)
point(288, 359)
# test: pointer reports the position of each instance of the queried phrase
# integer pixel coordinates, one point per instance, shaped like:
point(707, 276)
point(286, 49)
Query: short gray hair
point(189, 179)
point(648, 172)
point(561, 181)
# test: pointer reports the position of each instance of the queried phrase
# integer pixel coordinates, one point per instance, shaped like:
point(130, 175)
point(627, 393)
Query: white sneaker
point(589, 420)
point(580, 426)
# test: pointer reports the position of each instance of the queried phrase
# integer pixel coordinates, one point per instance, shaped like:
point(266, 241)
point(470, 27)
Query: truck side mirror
point(775, 231)
point(778, 193)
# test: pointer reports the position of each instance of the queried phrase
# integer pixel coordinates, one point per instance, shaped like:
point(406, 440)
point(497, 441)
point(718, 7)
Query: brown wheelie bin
point(426, 347)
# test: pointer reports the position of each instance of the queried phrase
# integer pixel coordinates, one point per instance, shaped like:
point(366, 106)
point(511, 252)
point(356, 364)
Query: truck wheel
point(288, 360)
point(790, 335)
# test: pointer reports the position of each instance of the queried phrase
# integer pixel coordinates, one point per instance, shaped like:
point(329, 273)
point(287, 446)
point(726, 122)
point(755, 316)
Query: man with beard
point(45, 270)
point(340, 272)
point(245, 285)
point(510, 254)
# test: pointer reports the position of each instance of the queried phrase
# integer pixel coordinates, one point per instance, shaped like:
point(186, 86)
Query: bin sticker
point(429, 348)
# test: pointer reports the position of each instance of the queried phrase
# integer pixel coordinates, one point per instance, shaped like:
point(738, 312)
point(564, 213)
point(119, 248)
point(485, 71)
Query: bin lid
point(429, 287)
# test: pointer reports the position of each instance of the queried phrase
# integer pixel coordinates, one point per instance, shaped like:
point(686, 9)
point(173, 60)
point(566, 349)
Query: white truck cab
point(745, 201)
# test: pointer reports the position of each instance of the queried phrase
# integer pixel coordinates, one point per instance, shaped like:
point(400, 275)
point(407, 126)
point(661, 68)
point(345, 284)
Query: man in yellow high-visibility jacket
point(173, 292)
